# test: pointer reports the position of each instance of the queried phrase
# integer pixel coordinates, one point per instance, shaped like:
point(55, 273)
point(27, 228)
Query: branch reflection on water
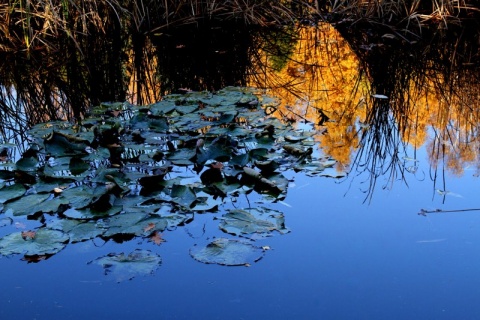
point(379, 99)
point(374, 99)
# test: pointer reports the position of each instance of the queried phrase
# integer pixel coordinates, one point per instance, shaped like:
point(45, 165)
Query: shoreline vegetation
point(40, 25)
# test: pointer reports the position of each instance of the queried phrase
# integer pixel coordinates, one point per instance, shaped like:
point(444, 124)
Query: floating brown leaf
point(28, 235)
point(149, 227)
point(156, 238)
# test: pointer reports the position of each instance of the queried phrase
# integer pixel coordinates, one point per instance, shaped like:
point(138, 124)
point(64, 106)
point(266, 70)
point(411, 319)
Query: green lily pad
point(124, 165)
point(82, 196)
point(27, 164)
point(78, 230)
point(183, 195)
point(51, 205)
point(7, 174)
point(78, 166)
point(259, 221)
point(60, 144)
point(135, 223)
point(227, 252)
point(12, 192)
point(126, 267)
point(31, 243)
point(88, 214)
point(26, 205)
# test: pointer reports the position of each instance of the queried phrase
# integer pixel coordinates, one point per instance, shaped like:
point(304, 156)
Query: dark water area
point(394, 236)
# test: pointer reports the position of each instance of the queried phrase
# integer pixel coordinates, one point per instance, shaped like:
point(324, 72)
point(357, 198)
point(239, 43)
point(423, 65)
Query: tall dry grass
point(401, 16)
point(35, 25)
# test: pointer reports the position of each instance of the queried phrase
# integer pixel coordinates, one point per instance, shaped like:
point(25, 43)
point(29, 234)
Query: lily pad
point(12, 192)
point(40, 242)
point(78, 230)
point(259, 221)
point(227, 253)
point(126, 267)
point(26, 205)
point(90, 214)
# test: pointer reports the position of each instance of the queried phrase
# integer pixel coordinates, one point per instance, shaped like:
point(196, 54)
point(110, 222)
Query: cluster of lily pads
point(135, 171)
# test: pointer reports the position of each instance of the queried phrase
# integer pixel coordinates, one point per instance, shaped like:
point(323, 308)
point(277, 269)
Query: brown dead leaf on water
point(149, 227)
point(28, 235)
point(156, 238)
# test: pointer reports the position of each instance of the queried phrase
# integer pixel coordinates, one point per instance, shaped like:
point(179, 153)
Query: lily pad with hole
point(40, 242)
point(227, 252)
point(125, 267)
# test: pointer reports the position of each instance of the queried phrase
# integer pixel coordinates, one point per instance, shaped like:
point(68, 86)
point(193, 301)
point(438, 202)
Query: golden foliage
point(320, 80)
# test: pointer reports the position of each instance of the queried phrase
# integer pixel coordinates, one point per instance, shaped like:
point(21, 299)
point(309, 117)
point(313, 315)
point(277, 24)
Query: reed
point(27, 25)
point(401, 16)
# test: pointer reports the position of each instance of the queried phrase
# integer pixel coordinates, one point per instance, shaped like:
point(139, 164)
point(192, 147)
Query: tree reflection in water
point(374, 98)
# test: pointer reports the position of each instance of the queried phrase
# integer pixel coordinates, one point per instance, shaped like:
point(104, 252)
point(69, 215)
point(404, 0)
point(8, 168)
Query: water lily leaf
point(186, 109)
point(79, 197)
point(333, 173)
point(267, 166)
point(28, 164)
point(6, 174)
point(78, 230)
point(135, 223)
point(295, 138)
point(31, 243)
point(52, 205)
point(60, 168)
point(42, 130)
point(162, 107)
point(88, 213)
point(26, 205)
point(158, 124)
point(261, 222)
point(240, 160)
point(182, 155)
point(206, 202)
point(77, 166)
point(183, 195)
point(227, 252)
point(12, 192)
point(121, 223)
point(216, 151)
point(126, 267)
point(60, 144)
point(43, 186)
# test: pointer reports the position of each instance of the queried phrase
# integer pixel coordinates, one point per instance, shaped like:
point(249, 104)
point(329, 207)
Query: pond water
point(395, 238)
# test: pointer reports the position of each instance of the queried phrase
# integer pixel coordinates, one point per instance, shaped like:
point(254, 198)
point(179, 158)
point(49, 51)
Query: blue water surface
point(344, 259)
